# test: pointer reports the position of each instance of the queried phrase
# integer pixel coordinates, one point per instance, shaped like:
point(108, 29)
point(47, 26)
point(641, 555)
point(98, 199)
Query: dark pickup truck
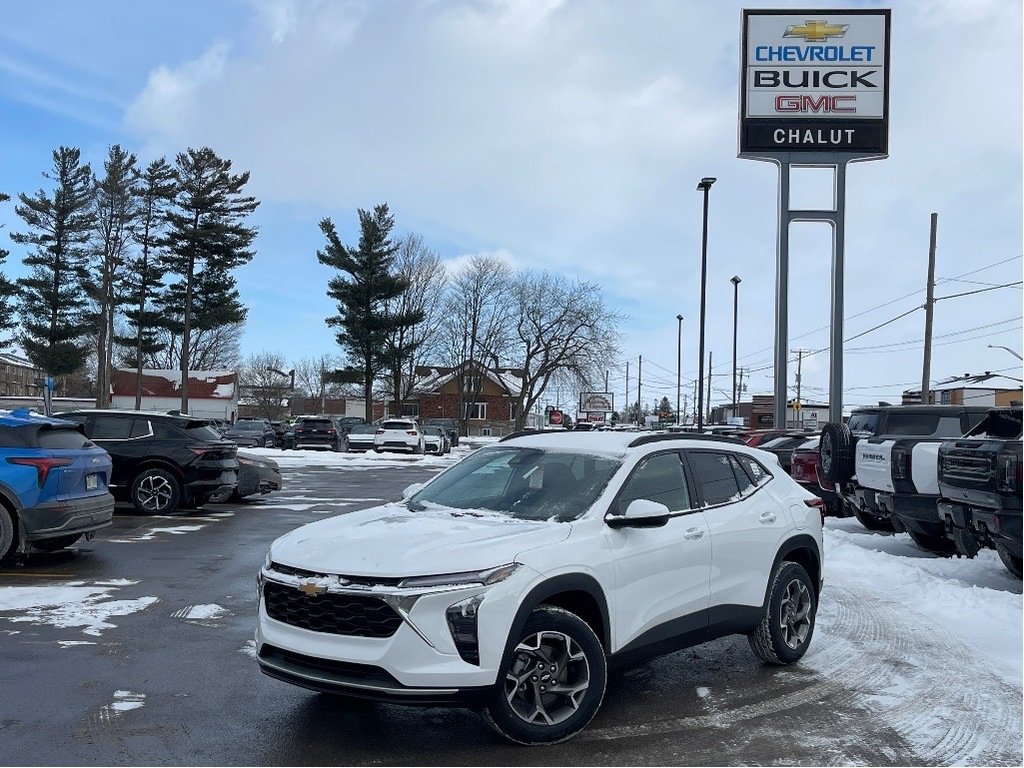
point(980, 483)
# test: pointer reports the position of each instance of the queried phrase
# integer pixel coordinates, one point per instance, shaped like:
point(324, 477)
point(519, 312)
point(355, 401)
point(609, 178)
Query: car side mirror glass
point(641, 513)
point(410, 490)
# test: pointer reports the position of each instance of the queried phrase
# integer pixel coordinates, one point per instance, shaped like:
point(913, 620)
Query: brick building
point(436, 395)
point(18, 376)
point(211, 394)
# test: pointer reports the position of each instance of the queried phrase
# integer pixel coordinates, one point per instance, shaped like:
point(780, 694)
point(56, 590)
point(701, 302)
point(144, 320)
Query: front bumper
point(63, 518)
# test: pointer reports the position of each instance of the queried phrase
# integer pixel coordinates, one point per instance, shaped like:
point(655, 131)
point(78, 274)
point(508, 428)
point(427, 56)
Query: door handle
point(694, 533)
point(767, 517)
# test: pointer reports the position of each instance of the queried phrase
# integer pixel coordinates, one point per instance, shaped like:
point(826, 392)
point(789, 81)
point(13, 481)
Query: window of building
point(472, 383)
point(411, 410)
point(476, 410)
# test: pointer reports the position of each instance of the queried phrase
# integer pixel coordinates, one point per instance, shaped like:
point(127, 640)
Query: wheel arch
point(157, 463)
point(803, 550)
point(577, 593)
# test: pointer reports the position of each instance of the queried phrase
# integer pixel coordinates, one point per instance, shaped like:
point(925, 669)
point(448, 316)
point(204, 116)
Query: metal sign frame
point(788, 159)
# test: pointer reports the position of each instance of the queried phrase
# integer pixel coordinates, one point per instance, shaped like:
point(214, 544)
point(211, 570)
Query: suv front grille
point(336, 614)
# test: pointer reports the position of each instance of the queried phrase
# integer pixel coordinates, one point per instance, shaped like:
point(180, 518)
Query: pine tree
point(117, 208)
point(53, 299)
point(363, 321)
point(142, 281)
point(8, 292)
point(206, 239)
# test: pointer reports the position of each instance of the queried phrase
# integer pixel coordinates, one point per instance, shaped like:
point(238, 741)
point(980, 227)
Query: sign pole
point(782, 297)
point(835, 353)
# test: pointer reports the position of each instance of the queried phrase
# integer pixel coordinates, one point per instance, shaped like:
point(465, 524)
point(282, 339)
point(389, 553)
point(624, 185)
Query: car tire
point(578, 669)
point(873, 522)
point(938, 545)
point(56, 543)
point(419, 449)
point(836, 452)
point(1011, 562)
point(786, 629)
point(155, 491)
point(8, 534)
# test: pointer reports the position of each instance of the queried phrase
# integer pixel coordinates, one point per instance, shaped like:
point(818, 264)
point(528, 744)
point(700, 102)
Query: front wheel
point(553, 681)
point(788, 624)
point(8, 537)
point(155, 491)
point(1012, 562)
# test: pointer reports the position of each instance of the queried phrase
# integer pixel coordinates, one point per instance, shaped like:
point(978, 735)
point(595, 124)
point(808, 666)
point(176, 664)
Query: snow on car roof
point(613, 443)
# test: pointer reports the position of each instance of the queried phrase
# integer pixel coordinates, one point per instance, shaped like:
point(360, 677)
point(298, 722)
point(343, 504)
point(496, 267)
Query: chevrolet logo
point(816, 31)
point(310, 588)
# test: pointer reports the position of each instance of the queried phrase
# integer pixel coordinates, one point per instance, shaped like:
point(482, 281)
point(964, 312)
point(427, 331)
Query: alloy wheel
point(548, 679)
point(154, 492)
point(795, 614)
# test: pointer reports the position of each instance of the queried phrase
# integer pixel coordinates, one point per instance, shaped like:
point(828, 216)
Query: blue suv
point(53, 484)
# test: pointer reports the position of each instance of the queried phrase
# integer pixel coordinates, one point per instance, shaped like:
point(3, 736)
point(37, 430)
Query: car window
point(62, 438)
point(743, 480)
point(658, 478)
point(400, 425)
point(249, 426)
point(714, 474)
point(901, 423)
point(140, 428)
point(864, 422)
point(753, 467)
point(201, 431)
point(111, 428)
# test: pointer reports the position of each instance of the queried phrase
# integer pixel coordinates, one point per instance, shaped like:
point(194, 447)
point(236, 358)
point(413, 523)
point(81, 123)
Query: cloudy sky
point(562, 135)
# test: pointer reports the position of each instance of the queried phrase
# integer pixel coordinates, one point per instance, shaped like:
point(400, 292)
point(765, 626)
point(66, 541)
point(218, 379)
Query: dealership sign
point(597, 402)
point(814, 81)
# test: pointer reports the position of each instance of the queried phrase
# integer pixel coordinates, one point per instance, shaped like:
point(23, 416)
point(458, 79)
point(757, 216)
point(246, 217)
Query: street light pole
point(735, 280)
point(679, 367)
point(1000, 346)
point(705, 187)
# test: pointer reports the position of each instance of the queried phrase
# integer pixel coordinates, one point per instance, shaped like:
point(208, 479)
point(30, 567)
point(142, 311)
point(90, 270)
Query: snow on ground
point(975, 601)
point(74, 605)
point(200, 612)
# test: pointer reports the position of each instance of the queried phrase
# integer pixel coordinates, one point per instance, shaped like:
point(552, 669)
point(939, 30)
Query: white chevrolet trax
point(512, 581)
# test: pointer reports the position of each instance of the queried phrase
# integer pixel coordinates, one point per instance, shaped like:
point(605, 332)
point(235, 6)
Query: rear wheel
point(419, 448)
point(1012, 562)
point(155, 491)
point(873, 522)
point(58, 542)
point(8, 539)
point(938, 545)
point(553, 682)
point(788, 624)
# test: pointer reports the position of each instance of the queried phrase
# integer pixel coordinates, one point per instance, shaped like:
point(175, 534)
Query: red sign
point(555, 417)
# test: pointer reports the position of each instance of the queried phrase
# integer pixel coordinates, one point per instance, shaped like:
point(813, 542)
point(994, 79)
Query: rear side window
point(864, 422)
point(202, 431)
point(63, 439)
point(111, 428)
point(164, 431)
point(140, 428)
point(757, 473)
point(713, 472)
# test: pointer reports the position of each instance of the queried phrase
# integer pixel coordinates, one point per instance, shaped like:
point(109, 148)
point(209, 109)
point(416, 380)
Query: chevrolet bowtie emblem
point(310, 588)
point(816, 31)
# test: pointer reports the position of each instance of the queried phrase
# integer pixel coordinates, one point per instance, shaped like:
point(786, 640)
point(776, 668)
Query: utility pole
point(929, 310)
point(695, 390)
point(606, 381)
point(799, 366)
point(709, 385)
point(639, 380)
point(625, 413)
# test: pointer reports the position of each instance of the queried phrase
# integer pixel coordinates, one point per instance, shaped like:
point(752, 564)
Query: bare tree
point(478, 313)
point(560, 329)
point(410, 345)
point(263, 385)
point(209, 349)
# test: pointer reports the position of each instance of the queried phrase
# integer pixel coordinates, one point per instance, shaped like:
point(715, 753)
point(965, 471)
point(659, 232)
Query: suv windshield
point(524, 483)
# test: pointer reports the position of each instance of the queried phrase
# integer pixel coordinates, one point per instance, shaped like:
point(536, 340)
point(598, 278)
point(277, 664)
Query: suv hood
point(390, 541)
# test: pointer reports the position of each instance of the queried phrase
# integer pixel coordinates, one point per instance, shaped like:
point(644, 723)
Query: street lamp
point(705, 187)
point(735, 280)
point(679, 364)
point(290, 374)
point(1000, 346)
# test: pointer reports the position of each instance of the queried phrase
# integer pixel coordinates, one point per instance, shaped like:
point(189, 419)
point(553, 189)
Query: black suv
point(162, 461)
point(319, 432)
point(252, 433)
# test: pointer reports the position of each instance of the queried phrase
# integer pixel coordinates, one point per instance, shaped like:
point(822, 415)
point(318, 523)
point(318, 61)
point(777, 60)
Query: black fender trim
point(9, 497)
point(570, 582)
point(802, 541)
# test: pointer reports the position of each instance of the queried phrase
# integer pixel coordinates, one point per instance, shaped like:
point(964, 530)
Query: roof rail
point(525, 432)
point(662, 437)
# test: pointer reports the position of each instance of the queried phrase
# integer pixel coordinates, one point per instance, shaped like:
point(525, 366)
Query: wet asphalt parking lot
point(157, 667)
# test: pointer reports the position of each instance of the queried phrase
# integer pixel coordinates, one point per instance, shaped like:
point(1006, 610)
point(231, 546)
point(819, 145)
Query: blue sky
point(566, 136)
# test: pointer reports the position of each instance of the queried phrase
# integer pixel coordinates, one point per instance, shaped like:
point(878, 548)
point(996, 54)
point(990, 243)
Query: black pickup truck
point(980, 483)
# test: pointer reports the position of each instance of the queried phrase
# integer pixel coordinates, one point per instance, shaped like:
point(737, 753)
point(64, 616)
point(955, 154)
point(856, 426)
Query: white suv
point(514, 579)
point(400, 434)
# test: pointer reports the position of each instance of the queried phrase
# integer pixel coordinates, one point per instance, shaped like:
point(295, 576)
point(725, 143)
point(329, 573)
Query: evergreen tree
point(53, 299)
point(143, 277)
point(117, 208)
point(8, 292)
point(363, 321)
point(206, 239)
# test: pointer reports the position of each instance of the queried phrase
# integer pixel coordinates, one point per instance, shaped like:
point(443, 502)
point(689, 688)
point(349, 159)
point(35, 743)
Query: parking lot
point(136, 648)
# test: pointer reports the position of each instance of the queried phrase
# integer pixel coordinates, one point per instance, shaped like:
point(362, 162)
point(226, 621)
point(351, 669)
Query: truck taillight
point(1008, 472)
point(803, 468)
point(900, 463)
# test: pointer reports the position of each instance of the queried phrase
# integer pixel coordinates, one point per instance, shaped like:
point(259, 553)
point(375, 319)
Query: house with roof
point(211, 394)
point(987, 388)
point(436, 394)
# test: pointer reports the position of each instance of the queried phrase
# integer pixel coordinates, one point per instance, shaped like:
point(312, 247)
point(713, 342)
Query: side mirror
point(411, 489)
point(641, 513)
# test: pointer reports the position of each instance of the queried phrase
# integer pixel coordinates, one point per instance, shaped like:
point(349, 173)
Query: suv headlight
point(484, 578)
